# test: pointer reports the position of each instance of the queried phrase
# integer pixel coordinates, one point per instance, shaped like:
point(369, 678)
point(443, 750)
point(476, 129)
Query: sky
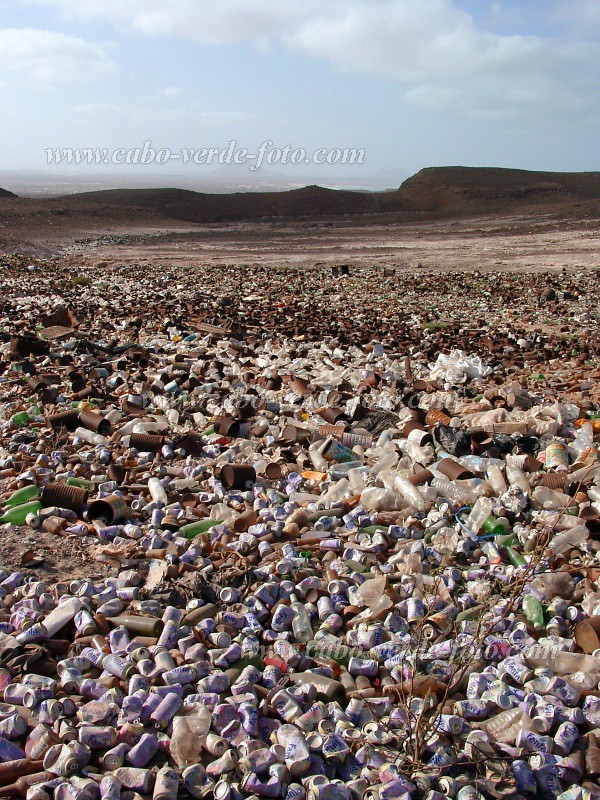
point(412, 83)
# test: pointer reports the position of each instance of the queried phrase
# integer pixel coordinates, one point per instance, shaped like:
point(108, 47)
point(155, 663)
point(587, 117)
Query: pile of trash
point(316, 570)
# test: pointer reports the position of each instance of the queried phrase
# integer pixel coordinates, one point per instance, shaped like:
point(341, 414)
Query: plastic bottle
point(301, 623)
point(504, 727)
point(62, 614)
point(594, 493)
point(341, 470)
point(21, 418)
point(515, 475)
point(550, 499)
point(534, 613)
point(446, 488)
point(479, 514)
point(157, 491)
point(568, 539)
point(316, 457)
point(479, 464)
point(584, 438)
point(385, 462)
point(554, 584)
point(377, 499)
point(337, 491)
point(562, 662)
point(195, 528)
point(90, 437)
point(82, 483)
point(496, 480)
point(357, 478)
point(21, 496)
point(411, 494)
point(18, 514)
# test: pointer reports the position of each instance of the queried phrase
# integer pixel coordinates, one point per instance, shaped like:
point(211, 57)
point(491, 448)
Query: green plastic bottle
point(82, 483)
point(354, 566)
point(515, 558)
point(196, 528)
point(534, 613)
point(21, 418)
point(249, 661)
point(373, 529)
point(469, 613)
point(330, 650)
point(492, 527)
point(23, 495)
point(19, 514)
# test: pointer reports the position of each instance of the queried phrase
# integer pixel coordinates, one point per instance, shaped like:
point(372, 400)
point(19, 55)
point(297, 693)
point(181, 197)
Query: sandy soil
point(510, 243)
point(542, 238)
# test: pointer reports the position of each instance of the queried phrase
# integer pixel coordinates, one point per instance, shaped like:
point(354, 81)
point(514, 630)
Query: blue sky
point(414, 82)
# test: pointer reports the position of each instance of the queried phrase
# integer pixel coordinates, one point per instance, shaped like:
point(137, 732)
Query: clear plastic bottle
point(554, 584)
point(515, 475)
point(550, 499)
point(301, 623)
point(562, 662)
point(379, 499)
point(385, 462)
point(567, 539)
point(316, 457)
point(479, 514)
point(584, 439)
point(411, 494)
point(478, 463)
point(337, 491)
point(496, 479)
point(506, 726)
point(594, 494)
point(446, 488)
point(357, 478)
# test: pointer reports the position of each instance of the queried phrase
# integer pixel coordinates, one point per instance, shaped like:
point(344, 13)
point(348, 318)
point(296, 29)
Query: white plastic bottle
point(90, 437)
point(157, 491)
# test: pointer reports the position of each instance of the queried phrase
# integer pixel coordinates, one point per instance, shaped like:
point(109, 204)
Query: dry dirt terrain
point(539, 239)
point(446, 218)
point(508, 243)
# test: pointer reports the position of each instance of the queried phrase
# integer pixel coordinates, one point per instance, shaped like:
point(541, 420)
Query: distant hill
point(6, 193)
point(438, 191)
point(310, 201)
point(461, 188)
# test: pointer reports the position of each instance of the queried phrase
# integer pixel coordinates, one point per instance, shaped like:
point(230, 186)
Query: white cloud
point(582, 16)
point(151, 113)
point(206, 21)
point(28, 54)
point(442, 59)
point(436, 51)
point(172, 91)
